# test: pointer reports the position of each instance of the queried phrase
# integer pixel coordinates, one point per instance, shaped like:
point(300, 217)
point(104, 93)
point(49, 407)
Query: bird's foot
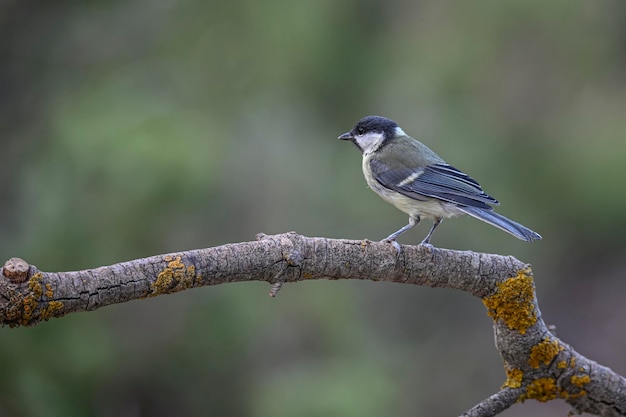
point(427, 245)
point(394, 244)
point(426, 242)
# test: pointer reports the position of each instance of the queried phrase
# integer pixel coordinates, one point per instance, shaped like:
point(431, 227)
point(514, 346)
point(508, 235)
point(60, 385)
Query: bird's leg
point(436, 223)
point(413, 221)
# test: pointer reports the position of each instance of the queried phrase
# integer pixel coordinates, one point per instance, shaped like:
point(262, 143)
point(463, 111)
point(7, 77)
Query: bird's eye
point(360, 130)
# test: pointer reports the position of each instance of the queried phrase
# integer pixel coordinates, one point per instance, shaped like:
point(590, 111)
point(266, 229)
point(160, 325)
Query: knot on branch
point(292, 254)
point(288, 243)
point(26, 305)
point(16, 270)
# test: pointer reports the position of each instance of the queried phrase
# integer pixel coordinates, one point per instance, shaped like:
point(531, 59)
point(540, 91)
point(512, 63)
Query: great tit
point(407, 174)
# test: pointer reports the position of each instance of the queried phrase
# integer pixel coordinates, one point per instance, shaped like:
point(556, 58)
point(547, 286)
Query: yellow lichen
point(175, 277)
point(513, 302)
point(163, 282)
point(567, 396)
point(176, 263)
point(561, 364)
point(541, 389)
point(545, 389)
point(34, 284)
point(29, 303)
point(49, 292)
point(513, 378)
point(544, 352)
point(50, 310)
point(579, 381)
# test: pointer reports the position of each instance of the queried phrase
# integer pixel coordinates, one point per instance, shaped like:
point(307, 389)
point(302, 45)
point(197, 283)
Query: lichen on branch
point(537, 364)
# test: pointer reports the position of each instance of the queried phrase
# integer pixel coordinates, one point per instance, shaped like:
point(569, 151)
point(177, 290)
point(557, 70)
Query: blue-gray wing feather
point(440, 181)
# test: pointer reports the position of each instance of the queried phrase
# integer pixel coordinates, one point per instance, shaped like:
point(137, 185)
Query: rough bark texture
point(538, 365)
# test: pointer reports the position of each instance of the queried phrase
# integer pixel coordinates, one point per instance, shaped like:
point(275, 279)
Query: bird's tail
point(501, 222)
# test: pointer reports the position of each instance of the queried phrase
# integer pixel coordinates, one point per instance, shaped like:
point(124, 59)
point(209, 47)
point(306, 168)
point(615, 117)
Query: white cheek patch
point(370, 141)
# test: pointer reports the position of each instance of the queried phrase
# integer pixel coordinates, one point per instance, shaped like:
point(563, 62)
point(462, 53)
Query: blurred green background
point(133, 128)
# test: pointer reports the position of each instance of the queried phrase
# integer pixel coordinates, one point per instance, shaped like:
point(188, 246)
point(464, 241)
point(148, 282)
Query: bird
point(417, 181)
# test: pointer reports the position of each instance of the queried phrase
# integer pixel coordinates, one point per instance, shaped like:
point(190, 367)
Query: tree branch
point(495, 404)
point(538, 365)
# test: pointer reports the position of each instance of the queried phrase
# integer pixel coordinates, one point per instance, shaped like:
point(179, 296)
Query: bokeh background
point(133, 128)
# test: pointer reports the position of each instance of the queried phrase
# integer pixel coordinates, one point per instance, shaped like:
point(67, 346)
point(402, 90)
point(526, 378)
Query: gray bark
point(538, 365)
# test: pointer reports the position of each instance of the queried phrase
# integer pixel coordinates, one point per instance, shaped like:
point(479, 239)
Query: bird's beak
point(345, 136)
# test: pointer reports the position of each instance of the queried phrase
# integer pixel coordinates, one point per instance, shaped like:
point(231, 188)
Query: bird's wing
point(440, 181)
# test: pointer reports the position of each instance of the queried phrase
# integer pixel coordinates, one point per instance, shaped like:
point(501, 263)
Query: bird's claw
point(394, 244)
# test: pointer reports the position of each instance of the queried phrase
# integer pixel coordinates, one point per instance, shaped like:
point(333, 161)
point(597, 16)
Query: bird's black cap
point(372, 124)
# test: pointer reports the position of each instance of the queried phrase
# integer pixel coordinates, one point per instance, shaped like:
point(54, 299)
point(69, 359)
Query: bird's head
point(371, 132)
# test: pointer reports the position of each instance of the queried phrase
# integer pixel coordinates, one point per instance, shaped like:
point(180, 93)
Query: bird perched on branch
point(407, 174)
